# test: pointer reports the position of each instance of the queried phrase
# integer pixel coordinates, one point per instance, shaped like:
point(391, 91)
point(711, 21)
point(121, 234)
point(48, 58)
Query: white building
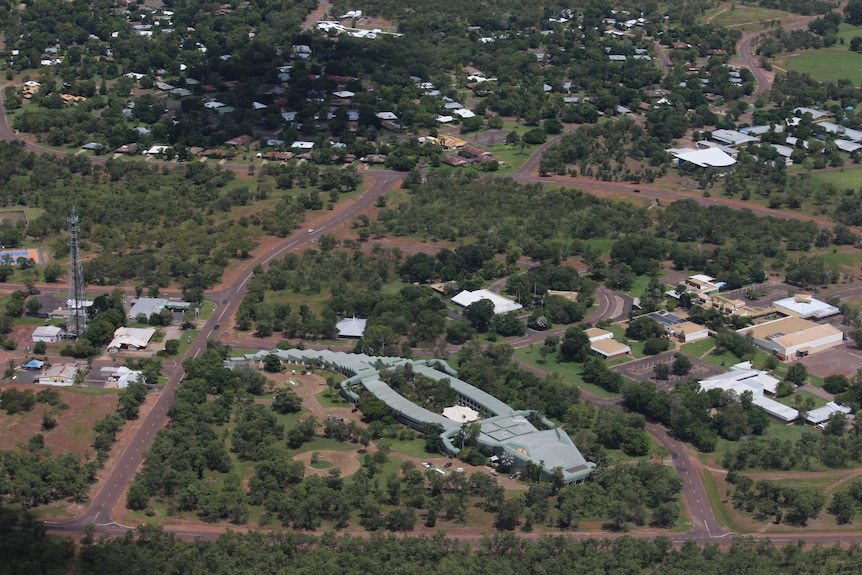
point(501, 304)
point(131, 338)
point(689, 331)
point(47, 334)
point(805, 306)
point(351, 327)
point(741, 378)
point(60, 375)
point(147, 306)
point(821, 415)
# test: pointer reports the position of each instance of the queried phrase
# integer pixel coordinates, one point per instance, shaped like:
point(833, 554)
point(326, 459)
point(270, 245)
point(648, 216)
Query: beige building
point(793, 337)
point(689, 331)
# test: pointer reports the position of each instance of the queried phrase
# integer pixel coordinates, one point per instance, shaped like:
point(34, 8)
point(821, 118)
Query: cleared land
point(74, 432)
point(740, 15)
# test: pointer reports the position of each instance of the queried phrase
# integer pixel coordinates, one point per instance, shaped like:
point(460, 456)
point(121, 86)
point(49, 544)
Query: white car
point(459, 470)
point(427, 465)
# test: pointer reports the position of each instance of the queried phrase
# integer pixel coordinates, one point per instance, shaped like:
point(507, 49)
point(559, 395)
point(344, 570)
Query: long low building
point(742, 378)
point(793, 337)
point(504, 432)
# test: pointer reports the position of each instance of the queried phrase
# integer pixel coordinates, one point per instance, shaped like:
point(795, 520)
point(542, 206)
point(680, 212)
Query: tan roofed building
point(793, 337)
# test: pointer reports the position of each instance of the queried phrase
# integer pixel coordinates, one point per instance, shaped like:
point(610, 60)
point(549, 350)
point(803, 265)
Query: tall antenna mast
point(78, 319)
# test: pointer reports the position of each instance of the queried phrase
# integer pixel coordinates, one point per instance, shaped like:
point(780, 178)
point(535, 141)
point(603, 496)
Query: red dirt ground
point(73, 433)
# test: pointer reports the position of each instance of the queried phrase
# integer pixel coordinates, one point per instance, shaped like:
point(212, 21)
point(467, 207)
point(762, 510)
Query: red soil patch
point(74, 431)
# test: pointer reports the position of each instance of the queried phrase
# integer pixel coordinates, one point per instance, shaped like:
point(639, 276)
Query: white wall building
point(742, 378)
point(47, 334)
point(501, 304)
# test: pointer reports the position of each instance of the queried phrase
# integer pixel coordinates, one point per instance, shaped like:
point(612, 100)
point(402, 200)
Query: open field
point(74, 432)
point(850, 177)
point(833, 63)
point(748, 16)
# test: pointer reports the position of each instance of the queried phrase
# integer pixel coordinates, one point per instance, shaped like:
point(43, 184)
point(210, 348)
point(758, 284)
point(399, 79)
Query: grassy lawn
point(741, 15)
point(323, 444)
point(327, 402)
point(723, 360)
point(720, 508)
point(188, 336)
point(571, 372)
point(828, 64)
point(604, 245)
point(699, 348)
point(790, 400)
point(848, 177)
point(413, 448)
point(207, 310)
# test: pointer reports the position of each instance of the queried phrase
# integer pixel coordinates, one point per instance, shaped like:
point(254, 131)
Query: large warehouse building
point(793, 337)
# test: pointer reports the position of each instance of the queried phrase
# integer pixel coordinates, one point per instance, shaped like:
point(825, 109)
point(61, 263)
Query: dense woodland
point(151, 550)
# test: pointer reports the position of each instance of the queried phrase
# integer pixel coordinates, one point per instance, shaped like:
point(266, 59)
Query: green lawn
point(828, 64)
point(848, 177)
point(699, 348)
point(323, 444)
point(336, 401)
point(571, 372)
point(207, 310)
point(748, 16)
point(188, 336)
point(414, 448)
point(790, 400)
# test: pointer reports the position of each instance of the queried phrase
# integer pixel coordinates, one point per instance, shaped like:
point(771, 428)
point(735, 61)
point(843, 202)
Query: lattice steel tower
point(78, 318)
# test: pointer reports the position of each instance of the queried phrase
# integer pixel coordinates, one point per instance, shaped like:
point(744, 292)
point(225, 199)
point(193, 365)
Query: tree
point(853, 12)
point(575, 345)
point(172, 346)
point(479, 314)
point(33, 306)
point(286, 401)
point(655, 346)
point(272, 364)
point(797, 374)
point(843, 507)
point(662, 371)
point(681, 364)
point(53, 272)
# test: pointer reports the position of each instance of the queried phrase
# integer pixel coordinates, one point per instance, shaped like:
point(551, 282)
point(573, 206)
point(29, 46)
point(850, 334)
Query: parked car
point(459, 470)
point(448, 464)
point(427, 465)
point(515, 475)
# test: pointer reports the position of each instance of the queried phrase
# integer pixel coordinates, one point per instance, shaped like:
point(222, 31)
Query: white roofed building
point(131, 338)
point(705, 158)
point(501, 304)
point(461, 414)
point(741, 378)
point(351, 327)
point(821, 415)
point(805, 306)
point(47, 334)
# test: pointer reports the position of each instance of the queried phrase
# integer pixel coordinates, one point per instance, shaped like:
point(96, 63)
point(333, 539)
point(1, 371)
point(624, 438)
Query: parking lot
point(644, 370)
point(776, 291)
point(845, 359)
